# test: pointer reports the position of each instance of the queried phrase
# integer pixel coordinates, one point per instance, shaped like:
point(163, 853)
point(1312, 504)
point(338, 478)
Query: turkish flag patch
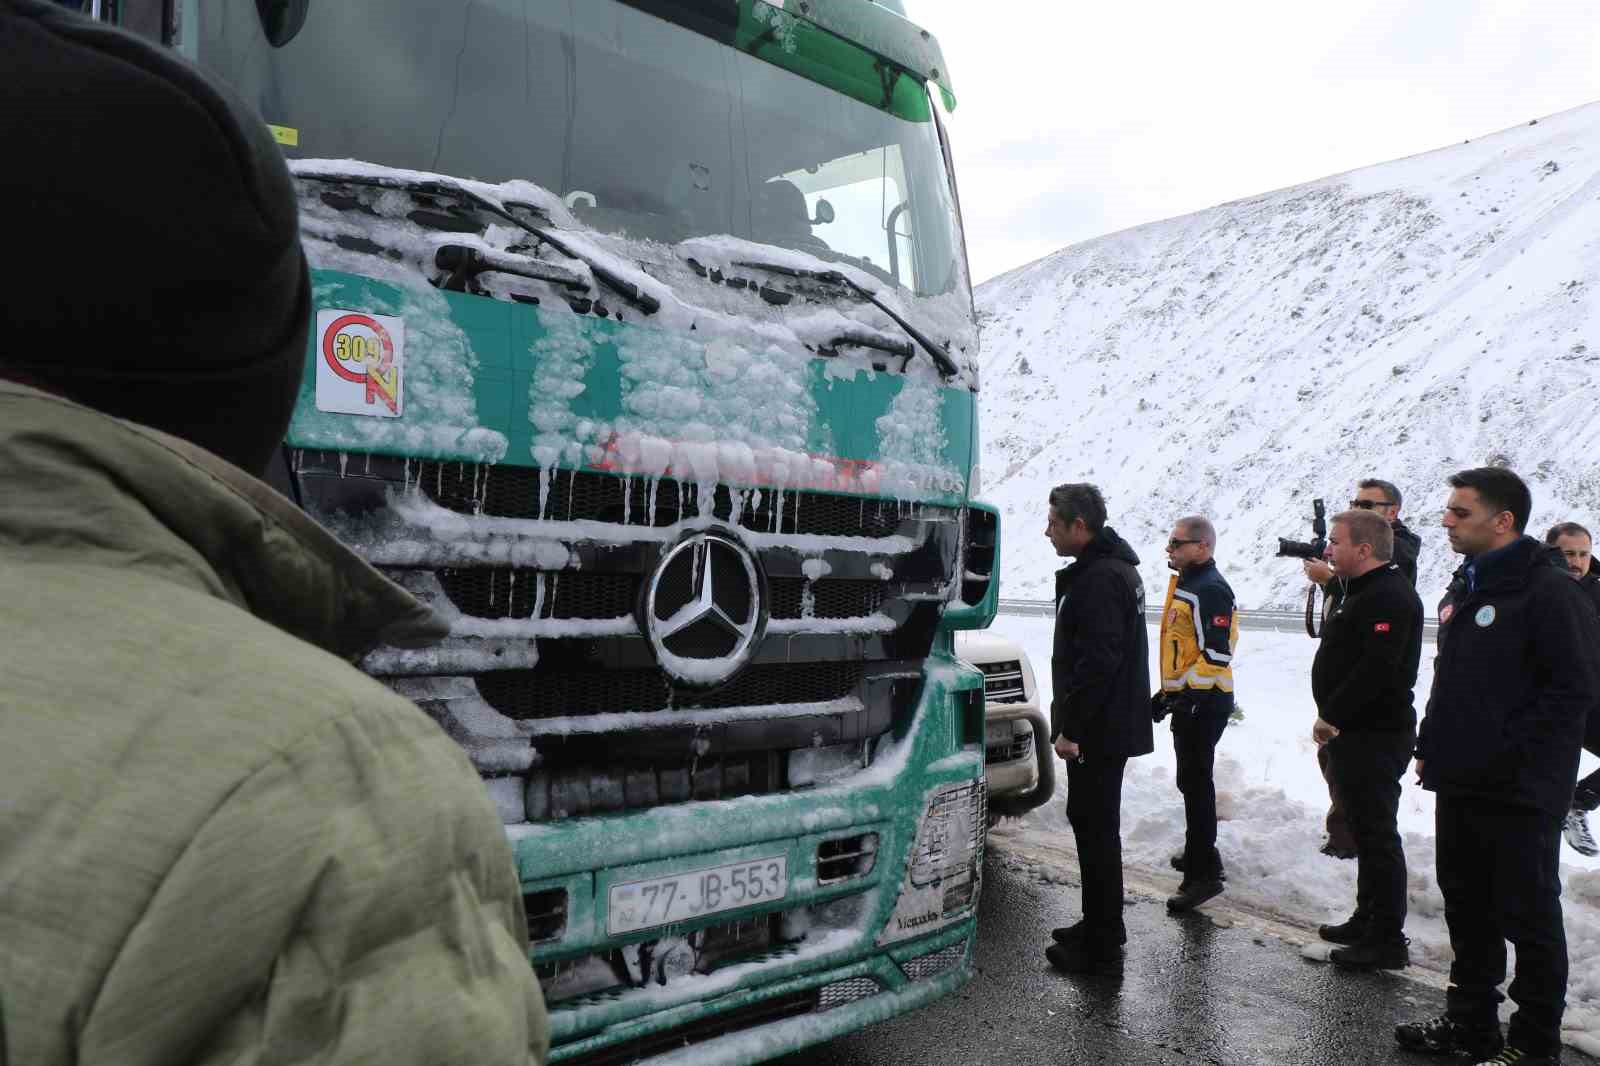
point(1381, 627)
point(1221, 620)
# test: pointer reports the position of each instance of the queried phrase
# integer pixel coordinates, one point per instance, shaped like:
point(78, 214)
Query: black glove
point(1159, 707)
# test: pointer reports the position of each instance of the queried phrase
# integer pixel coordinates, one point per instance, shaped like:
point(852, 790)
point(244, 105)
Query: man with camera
point(1577, 548)
point(1100, 672)
point(1199, 630)
point(1381, 498)
point(1516, 674)
point(1362, 680)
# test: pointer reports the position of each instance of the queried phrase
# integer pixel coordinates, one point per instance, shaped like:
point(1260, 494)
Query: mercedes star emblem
point(703, 610)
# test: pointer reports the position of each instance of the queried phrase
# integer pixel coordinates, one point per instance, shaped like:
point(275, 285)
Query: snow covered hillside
point(1404, 321)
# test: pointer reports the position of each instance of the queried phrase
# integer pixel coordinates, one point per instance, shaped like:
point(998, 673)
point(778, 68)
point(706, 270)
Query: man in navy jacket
point(1517, 671)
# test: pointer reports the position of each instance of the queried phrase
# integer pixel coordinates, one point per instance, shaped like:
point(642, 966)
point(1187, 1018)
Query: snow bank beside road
point(1271, 801)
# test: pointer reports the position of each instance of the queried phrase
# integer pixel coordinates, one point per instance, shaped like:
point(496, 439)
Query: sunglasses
point(1370, 505)
point(1174, 545)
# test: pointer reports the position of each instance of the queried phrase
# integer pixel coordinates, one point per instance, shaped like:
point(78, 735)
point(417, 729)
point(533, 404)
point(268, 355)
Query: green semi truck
point(644, 352)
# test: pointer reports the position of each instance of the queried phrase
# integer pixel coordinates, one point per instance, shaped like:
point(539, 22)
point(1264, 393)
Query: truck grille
point(503, 592)
point(1002, 681)
point(539, 693)
point(583, 495)
point(547, 679)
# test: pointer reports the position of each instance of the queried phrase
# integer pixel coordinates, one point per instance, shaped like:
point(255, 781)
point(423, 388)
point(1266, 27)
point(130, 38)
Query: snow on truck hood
point(717, 350)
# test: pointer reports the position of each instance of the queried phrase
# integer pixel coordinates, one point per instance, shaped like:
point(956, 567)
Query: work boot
point(1576, 829)
point(1373, 952)
point(1351, 931)
point(1445, 1035)
point(1511, 1055)
point(1086, 959)
point(1193, 893)
point(1076, 932)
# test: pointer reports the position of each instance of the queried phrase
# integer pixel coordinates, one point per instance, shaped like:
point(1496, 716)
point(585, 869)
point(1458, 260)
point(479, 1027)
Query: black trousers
point(1364, 768)
point(1497, 869)
point(1587, 795)
point(1194, 742)
point(1094, 808)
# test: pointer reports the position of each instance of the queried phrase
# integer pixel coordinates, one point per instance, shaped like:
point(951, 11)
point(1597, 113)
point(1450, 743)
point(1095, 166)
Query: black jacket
point(1366, 665)
point(1100, 667)
point(1406, 547)
point(1590, 584)
point(1517, 672)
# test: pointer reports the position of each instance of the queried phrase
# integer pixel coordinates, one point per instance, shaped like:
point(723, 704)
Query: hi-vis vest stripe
point(1197, 640)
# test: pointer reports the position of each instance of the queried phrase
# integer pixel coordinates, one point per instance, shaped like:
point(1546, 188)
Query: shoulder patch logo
point(1445, 612)
point(1485, 615)
point(1381, 627)
point(1221, 620)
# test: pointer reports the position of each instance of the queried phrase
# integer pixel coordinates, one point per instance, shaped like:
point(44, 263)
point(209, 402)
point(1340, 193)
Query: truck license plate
point(638, 905)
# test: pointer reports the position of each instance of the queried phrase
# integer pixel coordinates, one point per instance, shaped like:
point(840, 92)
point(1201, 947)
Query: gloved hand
point(1159, 707)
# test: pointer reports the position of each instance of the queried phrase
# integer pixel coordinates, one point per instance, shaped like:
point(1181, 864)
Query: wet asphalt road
point(1194, 992)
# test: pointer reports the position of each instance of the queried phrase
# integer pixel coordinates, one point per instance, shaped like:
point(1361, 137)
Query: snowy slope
point(1404, 321)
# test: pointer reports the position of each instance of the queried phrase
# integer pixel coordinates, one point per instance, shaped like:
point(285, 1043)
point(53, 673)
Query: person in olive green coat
point(219, 842)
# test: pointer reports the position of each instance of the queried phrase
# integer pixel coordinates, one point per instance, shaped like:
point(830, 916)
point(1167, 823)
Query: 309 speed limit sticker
point(360, 363)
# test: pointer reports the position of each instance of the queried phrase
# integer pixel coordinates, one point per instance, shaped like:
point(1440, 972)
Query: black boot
point(1076, 932)
point(1193, 893)
point(1352, 931)
point(1373, 952)
point(1087, 959)
point(1445, 1035)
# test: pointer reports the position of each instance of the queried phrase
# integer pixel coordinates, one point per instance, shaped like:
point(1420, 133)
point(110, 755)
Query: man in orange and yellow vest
point(1199, 628)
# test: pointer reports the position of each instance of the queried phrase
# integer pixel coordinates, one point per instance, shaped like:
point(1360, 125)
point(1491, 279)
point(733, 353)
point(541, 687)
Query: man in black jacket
point(1517, 671)
point(1577, 554)
point(1362, 680)
point(1381, 498)
point(1100, 714)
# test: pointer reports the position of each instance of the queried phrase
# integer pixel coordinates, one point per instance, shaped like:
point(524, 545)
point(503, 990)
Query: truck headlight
point(946, 870)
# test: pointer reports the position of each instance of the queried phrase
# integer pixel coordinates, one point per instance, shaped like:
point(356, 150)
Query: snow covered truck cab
point(643, 351)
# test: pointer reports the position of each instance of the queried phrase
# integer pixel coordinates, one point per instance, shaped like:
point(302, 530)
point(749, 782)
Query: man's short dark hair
point(1501, 489)
point(1079, 500)
point(1385, 487)
point(1198, 527)
point(1566, 529)
point(1368, 527)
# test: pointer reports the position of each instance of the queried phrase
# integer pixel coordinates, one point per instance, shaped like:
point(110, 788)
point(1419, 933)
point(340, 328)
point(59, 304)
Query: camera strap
point(1311, 611)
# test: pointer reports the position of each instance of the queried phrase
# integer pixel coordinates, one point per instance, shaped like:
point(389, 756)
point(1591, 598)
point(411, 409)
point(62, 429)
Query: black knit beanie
point(155, 270)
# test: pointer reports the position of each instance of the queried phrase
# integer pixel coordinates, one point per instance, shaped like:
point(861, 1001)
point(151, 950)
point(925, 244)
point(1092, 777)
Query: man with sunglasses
point(1199, 629)
point(1516, 674)
point(1382, 498)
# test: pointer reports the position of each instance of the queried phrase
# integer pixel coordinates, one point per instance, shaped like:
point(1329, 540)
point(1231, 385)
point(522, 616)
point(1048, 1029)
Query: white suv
point(1019, 761)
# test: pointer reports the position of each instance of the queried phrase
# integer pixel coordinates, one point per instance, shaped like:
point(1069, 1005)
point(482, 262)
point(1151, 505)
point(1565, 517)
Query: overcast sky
point(1076, 119)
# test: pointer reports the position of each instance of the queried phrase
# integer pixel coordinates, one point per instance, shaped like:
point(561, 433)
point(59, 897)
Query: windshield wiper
point(607, 277)
point(936, 351)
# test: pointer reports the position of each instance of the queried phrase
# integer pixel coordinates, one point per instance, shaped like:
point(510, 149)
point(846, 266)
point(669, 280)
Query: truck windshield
point(645, 128)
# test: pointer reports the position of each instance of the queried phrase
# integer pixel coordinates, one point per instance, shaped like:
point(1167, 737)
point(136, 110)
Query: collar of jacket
point(1195, 570)
point(1355, 583)
point(1104, 544)
point(1400, 529)
point(1507, 566)
point(80, 488)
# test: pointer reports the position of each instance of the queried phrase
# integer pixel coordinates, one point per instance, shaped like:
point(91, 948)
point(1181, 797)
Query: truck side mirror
point(282, 20)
